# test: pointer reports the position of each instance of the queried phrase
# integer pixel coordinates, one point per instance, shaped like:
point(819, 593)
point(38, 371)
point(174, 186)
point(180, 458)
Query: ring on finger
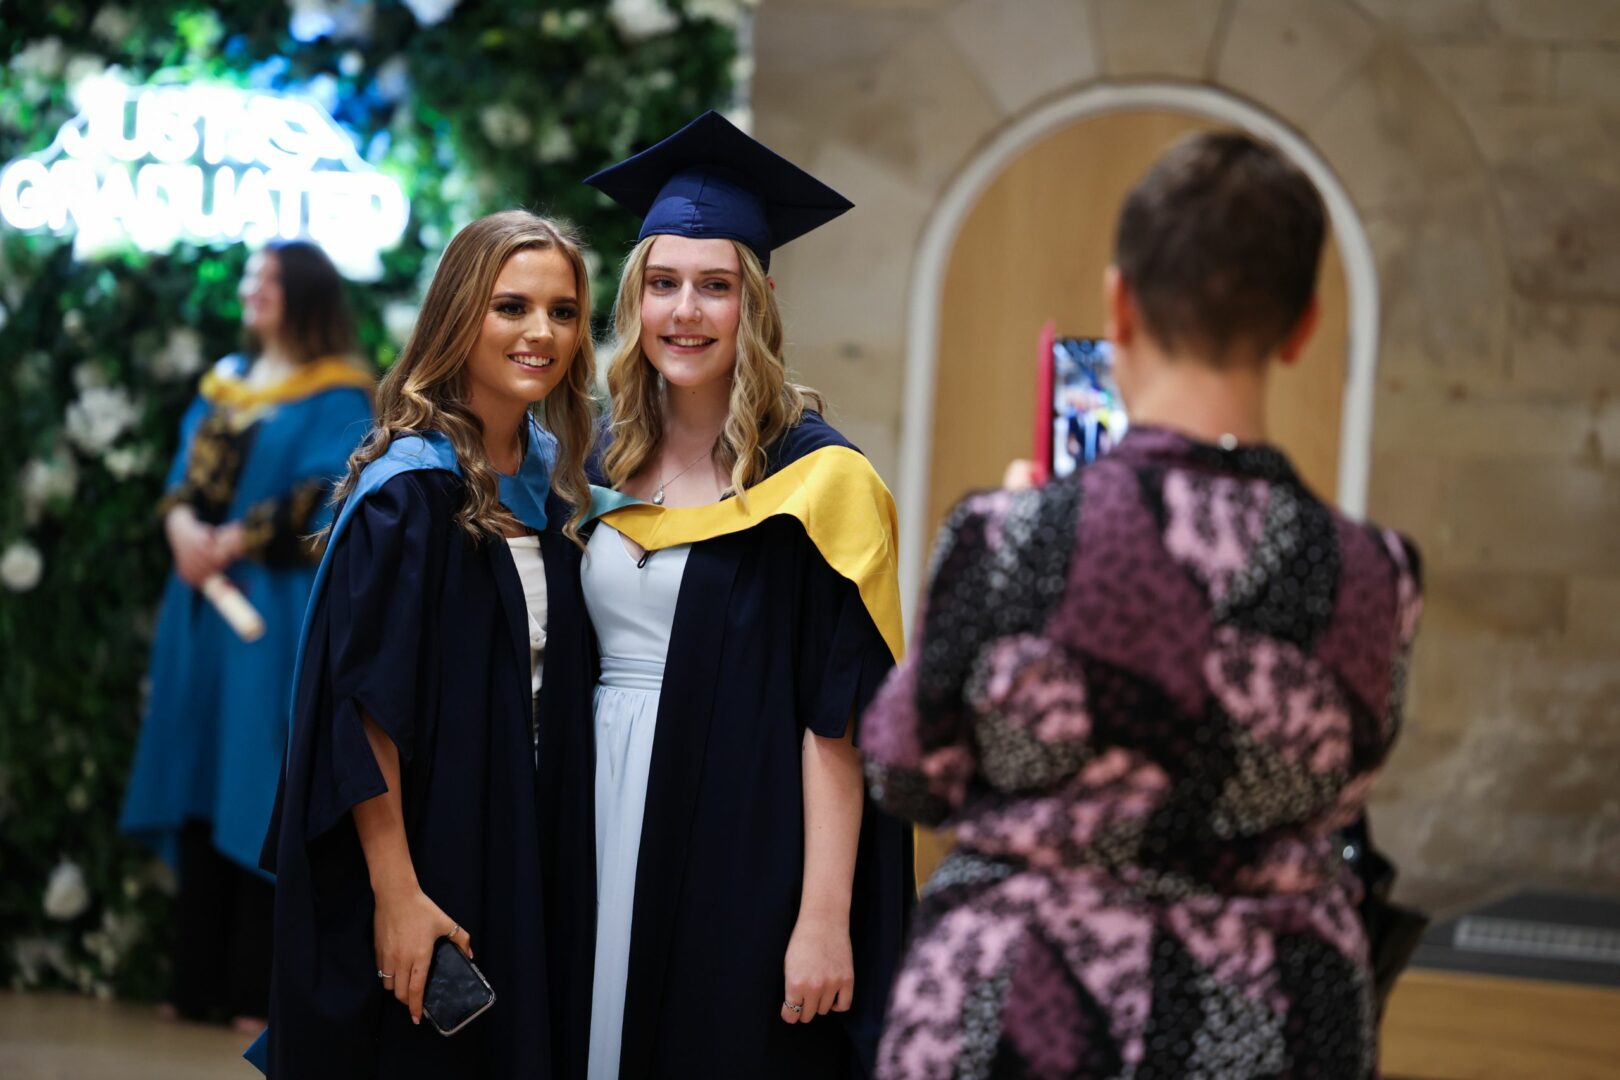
point(381, 974)
point(792, 1008)
point(454, 930)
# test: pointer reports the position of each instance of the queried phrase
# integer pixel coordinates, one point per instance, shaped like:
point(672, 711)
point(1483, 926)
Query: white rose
point(555, 145)
point(181, 356)
point(504, 125)
point(113, 25)
point(35, 956)
point(724, 12)
point(42, 59)
point(431, 12)
point(99, 417)
point(112, 942)
point(47, 480)
point(124, 462)
point(21, 566)
point(66, 894)
point(399, 319)
point(638, 20)
point(89, 375)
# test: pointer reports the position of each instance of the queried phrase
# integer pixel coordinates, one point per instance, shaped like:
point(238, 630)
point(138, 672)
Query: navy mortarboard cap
point(711, 179)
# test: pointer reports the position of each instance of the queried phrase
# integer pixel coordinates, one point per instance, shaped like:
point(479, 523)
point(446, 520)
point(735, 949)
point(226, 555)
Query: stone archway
point(958, 200)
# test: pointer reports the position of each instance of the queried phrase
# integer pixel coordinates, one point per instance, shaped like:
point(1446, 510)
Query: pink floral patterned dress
point(1144, 698)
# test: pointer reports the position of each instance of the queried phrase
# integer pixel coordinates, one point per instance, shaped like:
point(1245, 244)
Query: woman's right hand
point(192, 542)
point(405, 927)
point(1021, 475)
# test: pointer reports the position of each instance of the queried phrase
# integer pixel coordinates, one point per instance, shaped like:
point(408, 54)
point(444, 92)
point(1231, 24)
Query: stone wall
point(1480, 143)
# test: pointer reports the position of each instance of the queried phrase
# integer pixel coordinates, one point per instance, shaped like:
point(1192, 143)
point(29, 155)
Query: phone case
point(1044, 379)
point(457, 992)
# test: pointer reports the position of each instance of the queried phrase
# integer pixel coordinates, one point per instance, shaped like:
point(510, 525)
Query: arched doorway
point(1163, 111)
point(1032, 249)
point(1022, 237)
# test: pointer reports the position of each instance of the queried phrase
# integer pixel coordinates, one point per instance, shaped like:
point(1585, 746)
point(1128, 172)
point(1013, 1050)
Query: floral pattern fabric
point(1144, 698)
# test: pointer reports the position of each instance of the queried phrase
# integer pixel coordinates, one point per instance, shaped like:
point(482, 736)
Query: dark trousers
point(222, 917)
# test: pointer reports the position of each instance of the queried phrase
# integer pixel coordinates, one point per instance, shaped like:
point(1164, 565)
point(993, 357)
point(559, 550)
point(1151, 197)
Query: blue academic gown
point(768, 641)
point(426, 630)
point(215, 729)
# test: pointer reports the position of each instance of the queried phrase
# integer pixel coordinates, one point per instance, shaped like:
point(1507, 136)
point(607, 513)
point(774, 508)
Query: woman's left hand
point(819, 970)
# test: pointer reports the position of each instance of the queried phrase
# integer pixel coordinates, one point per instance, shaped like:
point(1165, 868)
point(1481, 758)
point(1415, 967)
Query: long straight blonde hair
point(426, 389)
point(765, 403)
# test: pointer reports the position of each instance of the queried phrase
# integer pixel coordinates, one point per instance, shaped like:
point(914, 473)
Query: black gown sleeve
point(363, 644)
point(842, 659)
point(369, 644)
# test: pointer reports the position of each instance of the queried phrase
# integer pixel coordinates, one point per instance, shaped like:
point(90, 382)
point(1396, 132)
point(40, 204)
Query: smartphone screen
point(1086, 414)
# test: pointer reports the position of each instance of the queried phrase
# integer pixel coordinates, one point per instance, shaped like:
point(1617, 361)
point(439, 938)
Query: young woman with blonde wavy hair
point(746, 906)
point(407, 810)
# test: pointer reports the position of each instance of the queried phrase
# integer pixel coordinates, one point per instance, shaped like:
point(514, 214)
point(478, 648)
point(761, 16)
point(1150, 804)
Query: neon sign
point(205, 163)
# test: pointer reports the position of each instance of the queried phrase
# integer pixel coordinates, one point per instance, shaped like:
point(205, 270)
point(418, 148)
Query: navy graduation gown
point(425, 629)
point(767, 641)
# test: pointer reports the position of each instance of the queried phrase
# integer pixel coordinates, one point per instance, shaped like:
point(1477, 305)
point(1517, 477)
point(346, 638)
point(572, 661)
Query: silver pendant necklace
point(658, 496)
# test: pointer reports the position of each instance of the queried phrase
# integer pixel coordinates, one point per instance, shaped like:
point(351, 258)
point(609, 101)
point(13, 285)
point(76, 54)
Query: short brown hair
point(1219, 243)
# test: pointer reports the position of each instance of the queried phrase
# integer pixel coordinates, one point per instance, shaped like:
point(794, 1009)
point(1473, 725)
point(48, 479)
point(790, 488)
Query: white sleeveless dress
point(633, 610)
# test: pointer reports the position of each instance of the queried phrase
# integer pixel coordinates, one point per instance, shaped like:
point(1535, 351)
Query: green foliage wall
point(472, 106)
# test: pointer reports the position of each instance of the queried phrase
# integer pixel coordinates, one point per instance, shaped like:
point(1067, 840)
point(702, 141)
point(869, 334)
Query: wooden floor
point(1441, 1026)
point(1446, 1026)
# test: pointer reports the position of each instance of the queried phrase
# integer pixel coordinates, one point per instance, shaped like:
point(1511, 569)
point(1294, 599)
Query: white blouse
point(531, 569)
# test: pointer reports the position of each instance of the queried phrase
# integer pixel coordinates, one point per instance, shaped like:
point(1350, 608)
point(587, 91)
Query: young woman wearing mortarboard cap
point(709, 831)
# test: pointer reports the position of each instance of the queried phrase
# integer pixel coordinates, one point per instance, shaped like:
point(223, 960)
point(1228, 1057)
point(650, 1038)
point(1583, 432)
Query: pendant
point(658, 496)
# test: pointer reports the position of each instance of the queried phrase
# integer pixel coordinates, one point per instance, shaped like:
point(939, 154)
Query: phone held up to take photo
point(1078, 412)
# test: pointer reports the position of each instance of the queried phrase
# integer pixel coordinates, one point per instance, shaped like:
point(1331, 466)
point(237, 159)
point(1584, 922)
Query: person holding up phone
point(406, 814)
point(1146, 695)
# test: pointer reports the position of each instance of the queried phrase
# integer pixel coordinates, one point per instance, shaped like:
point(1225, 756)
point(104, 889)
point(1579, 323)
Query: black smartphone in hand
point(457, 992)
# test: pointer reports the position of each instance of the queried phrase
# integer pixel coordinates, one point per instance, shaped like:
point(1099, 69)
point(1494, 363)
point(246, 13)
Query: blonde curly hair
point(765, 403)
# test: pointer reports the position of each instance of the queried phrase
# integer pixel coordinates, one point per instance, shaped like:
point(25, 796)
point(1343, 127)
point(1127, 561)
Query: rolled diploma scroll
point(233, 607)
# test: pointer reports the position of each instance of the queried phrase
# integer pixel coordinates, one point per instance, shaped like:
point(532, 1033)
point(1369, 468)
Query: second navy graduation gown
point(768, 641)
point(425, 629)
